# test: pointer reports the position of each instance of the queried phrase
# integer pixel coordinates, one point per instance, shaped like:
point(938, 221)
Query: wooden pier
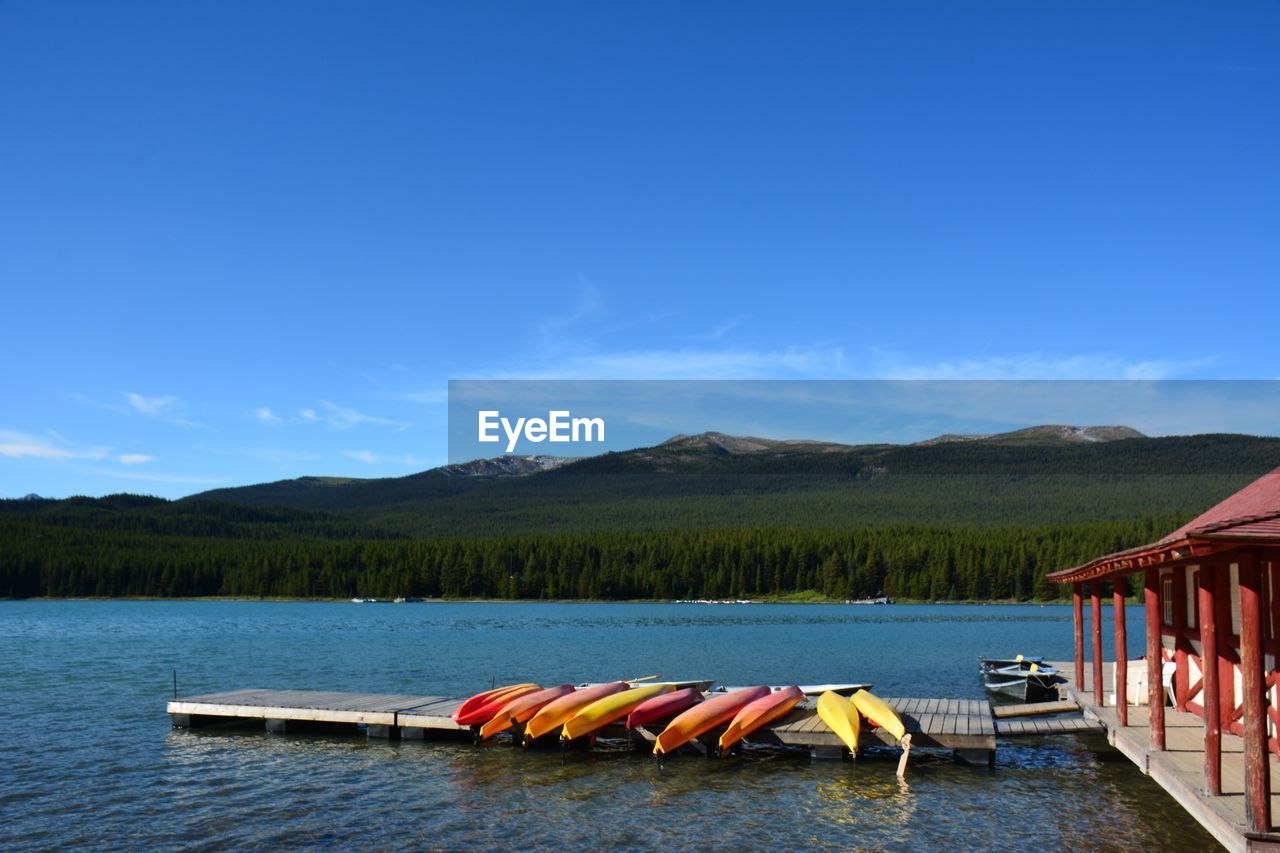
point(966, 727)
point(1179, 767)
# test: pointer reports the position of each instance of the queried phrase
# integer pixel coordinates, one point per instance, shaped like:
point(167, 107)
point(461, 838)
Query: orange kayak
point(556, 713)
point(704, 717)
point(522, 709)
point(488, 709)
point(760, 712)
point(610, 709)
point(661, 707)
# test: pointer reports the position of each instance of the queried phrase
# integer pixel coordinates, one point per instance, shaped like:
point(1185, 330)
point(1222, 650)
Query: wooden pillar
point(1095, 598)
point(1122, 651)
point(1155, 681)
point(1257, 785)
point(1181, 663)
point(1077, 612)
point(1206, 586)
point(1226, 668)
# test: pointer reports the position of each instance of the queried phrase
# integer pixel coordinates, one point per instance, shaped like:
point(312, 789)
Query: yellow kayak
point(841, 717)
point(604, 711)
point(559, 711)
point(878, 712)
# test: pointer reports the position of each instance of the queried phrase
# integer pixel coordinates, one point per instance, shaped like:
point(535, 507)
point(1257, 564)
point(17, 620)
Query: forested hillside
point(954, 520)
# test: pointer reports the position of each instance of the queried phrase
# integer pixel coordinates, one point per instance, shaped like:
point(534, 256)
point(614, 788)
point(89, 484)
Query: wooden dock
point(966, 727)
point(1179, 768)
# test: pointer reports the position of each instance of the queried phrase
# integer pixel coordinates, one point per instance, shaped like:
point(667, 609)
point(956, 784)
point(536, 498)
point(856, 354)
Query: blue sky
point(247, 241)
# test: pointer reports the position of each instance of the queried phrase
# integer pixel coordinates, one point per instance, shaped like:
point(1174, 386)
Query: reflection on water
point(88, 758)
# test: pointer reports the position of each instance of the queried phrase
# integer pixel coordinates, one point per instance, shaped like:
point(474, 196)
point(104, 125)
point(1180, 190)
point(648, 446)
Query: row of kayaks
point(676, 712)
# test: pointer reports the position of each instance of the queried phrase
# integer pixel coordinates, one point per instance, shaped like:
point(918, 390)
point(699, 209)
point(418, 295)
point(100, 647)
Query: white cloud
point(18, 445)
point(889, 365)
point(341, 417)
point(135, 458)
point(815, 362)
point(152, 407)
point(267, 416)
point(166, 408)
point(370, 458)
point(308, 415)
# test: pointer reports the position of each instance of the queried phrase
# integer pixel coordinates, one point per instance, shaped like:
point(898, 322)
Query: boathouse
point(1212, 640)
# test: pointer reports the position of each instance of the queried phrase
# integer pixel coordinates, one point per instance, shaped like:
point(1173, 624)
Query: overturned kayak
point(521, 709)
point(878, 713)
point(663, 706)
point(554, 714)
point(701, 718)
point(482, 707)
point(841, 716)
point(610, 709)
point(760, 712)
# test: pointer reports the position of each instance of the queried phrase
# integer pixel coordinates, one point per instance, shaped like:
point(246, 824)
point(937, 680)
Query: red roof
point(1251, 514)
point(1255, 503)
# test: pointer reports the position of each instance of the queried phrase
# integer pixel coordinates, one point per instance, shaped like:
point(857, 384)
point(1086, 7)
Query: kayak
point(610, 709)
point(760, 712)
point(704, 717)
point(662, 706)
point(522, 709)
point(841, 717)
point(878, 713)
point(484, 711)
point(554, 714)
point(480, 698)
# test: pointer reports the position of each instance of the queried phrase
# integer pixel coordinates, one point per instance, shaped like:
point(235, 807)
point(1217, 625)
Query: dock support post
point(976, 757)
point(1095, 598)
point(1206, 583)
point(1122, 652)
point(1257, 787)
point(379, 731)
point(1155, 669)
point(277, 726)
point(1077, 615)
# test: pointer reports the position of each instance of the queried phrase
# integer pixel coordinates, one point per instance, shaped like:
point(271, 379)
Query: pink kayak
point(666, 705)
point(759, 713)
point(706, 716)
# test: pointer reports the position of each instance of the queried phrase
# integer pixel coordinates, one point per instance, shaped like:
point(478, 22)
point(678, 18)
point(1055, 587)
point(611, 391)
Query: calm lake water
point(88, 758)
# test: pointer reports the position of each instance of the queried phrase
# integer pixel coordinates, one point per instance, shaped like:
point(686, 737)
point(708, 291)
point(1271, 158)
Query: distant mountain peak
point(740, 444)
point(508, 465)
point(1043, 434)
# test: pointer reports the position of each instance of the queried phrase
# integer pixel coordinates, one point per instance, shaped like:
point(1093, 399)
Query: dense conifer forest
point(940, 523)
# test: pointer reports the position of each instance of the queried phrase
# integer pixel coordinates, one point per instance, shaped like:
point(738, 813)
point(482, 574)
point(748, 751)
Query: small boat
point(986, 664)
point(878, 713)
point(554, 714)
point(609, 709)
point(807, 689)
point(1026, 680)
point(760, 712)
point(842, 717)
point(701, 718)
point(663, 706)
point(522, 709)
point(476, 713)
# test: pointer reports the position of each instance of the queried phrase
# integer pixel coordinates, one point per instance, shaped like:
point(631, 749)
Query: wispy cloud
point(161, 478)
point(810, 362)
point(17, 445)
point(719, 330)
point(552, 330)
point(370, 458)
point(426, 395)
point(889, 365)
point(267, 416)
point(342, 417)
point(165, 408)
point(134, 458)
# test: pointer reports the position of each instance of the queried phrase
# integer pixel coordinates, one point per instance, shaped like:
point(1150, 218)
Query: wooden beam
point(1122, 652)
point(1095, 598)
point(1257, 785)
point(1155, 680)
point(1077, 613)
point(1206, 586)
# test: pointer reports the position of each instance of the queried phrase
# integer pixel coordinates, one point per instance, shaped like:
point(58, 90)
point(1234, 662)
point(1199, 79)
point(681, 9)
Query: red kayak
point(480, 698)
point(761, 712)
point(666, 705)
point(701, 718)
point(522, 709)
point(490, 705)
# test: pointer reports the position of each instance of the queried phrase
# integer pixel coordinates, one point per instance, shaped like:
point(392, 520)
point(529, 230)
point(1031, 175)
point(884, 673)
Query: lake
point(88, 757)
